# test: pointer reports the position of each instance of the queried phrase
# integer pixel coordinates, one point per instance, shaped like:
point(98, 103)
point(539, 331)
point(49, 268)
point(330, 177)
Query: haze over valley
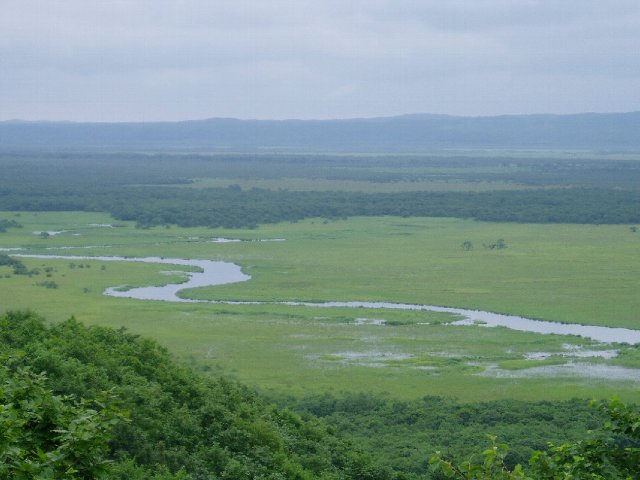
point(304, 240)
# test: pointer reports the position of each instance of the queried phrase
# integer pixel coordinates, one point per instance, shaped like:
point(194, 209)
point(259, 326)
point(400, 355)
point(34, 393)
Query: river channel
point(219, 273)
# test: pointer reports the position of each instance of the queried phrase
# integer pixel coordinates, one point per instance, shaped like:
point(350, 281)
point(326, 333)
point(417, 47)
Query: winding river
point(219, 273)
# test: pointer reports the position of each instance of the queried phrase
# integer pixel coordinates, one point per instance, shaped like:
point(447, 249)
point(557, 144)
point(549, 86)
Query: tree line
point(237, 208)
point(157, 189)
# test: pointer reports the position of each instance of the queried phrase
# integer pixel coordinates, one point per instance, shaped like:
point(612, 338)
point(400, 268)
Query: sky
point(161, 60)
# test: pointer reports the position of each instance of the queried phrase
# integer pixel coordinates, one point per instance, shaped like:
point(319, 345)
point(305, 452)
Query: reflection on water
point(571, 369)
point(489, 319)
point(211, 273)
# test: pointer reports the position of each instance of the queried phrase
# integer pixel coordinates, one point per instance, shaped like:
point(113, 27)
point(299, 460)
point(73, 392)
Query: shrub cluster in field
point(18, 267)
point(5, 224)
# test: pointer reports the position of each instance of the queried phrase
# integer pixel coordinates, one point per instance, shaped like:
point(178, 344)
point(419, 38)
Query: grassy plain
point(572, 273)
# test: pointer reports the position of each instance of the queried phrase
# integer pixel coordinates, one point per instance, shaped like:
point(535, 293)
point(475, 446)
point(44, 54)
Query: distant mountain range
point(407, 133)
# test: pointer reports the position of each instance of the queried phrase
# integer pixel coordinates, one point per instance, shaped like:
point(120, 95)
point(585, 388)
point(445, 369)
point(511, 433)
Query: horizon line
point(336, 119)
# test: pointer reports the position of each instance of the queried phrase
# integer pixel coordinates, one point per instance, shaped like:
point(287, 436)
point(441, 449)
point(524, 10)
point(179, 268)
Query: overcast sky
point(141, 60)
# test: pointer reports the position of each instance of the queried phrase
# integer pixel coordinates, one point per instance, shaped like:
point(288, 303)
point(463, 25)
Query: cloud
point(283, 58)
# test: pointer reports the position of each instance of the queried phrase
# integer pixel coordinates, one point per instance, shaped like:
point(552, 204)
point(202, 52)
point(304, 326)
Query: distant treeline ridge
point(235, 208)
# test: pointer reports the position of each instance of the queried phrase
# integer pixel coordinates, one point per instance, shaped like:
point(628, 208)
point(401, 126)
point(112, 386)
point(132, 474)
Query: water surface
point(219, 273)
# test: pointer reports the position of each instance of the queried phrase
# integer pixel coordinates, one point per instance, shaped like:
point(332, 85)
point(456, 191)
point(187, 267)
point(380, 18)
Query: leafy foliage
point(403, 433)
point(181, 425)
point(491, 467)
point(612, 453)
point(45, 435)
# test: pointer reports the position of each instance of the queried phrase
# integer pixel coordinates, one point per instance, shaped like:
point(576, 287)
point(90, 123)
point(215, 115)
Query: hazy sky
point(138, 60)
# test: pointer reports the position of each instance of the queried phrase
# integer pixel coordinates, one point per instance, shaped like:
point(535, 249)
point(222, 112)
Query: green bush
point(180, 424)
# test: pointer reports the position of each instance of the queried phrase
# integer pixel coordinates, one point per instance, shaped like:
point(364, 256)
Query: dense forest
point(92, 402)
point(235, 208)
point(158, 189)
point(80, 402)
point(404, 434)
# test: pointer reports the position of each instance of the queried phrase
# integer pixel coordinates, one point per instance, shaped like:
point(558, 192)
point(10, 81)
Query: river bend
point(220, 273)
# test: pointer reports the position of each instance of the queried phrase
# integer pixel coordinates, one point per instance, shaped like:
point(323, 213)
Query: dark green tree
point(612, 453)
point(44, 435)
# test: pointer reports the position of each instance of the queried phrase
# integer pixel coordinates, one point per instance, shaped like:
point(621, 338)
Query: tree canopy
point(91, 402)
point(80, 402)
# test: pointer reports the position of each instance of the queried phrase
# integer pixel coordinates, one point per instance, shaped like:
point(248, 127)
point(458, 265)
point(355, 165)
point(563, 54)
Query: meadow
point(569, 273)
